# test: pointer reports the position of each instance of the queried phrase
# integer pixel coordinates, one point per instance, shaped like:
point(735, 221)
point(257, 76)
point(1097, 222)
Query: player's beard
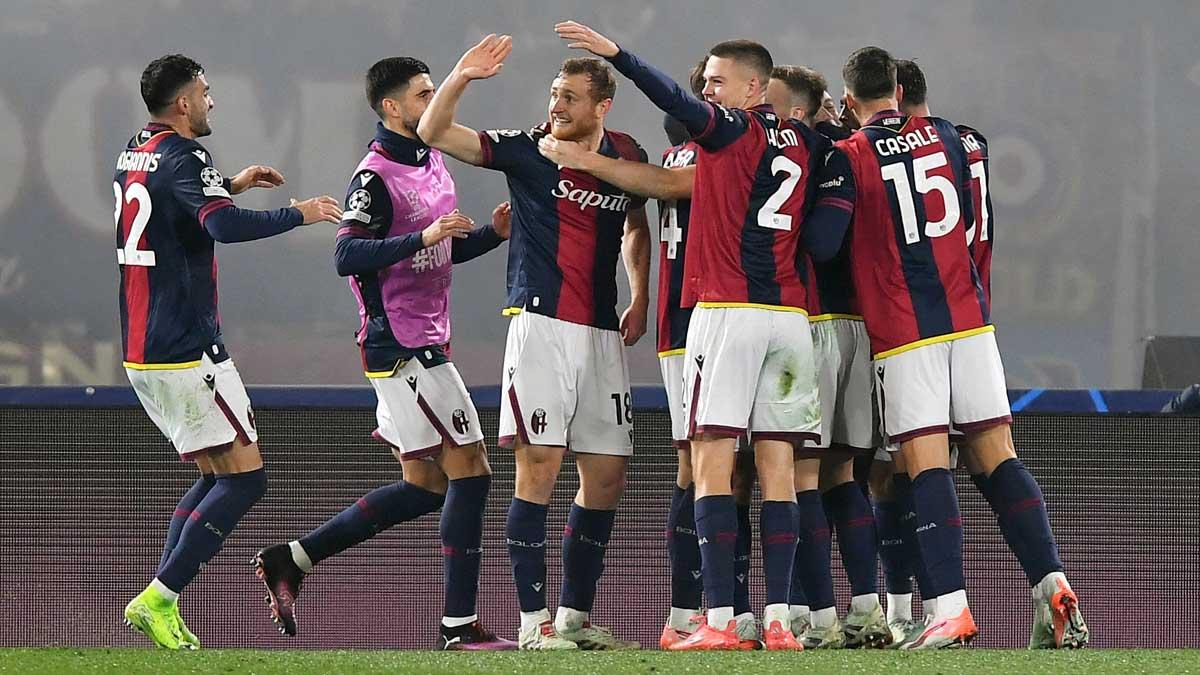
point(200, 127)
point(576, 131)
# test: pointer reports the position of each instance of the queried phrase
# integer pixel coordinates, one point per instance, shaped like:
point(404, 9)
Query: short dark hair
point(601, 82)
point(804, 82)
point(164, 77)
point(910, 77)
point(389, 77)
point(746, 52)
point(870, 74)
point(696, 77)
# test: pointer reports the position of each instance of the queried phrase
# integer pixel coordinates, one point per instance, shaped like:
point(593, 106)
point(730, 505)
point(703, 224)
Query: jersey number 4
point(138, 197)
point(925, 184)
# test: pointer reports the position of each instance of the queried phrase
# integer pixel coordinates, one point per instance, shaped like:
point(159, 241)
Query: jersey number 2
point(131, 254)
point(769, 215)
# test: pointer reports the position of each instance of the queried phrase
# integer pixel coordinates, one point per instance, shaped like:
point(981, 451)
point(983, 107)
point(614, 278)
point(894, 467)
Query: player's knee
point(466, 461)
point(251, 485)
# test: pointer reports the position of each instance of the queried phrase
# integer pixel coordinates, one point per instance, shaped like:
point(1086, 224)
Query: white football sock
point(456, 621)
point(719, 617)
point(300, 557)
point(168, 594)
point(864, 603)
point(680, 618)
point(899, 607)
point(824, 618)
point(569, 619)
point(951, 605)
point(798, 613)
point(777, 612)
point(929, 607)
point(534, 619)
point(1048, 586)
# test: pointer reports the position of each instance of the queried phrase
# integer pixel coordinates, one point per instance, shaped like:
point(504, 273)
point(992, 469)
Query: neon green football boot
point(154, 616)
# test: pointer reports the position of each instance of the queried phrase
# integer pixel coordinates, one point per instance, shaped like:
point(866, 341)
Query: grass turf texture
point(974, 661)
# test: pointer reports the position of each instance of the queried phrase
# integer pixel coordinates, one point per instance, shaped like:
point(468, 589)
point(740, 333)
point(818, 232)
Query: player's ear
point(899, 92)
point(603, 107)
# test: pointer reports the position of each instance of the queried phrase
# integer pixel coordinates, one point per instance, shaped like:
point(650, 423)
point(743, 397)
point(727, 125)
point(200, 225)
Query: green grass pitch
point(263, 662)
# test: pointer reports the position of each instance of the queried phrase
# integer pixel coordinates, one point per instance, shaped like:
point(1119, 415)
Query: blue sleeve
point(357, 254)
point(505, 149)
point(665, 93)
point(825, 228)
point(481, 240)
point(203, 193)
point(363, 244)
point(230, 224)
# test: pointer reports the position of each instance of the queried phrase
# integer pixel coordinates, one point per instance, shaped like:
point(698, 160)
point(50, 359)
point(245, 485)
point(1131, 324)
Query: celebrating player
point(171, 205)
point(1001, 478)
point(754, 181)
point(565, 381)
point(400, 235)
point(848, 429)
point(902, 187)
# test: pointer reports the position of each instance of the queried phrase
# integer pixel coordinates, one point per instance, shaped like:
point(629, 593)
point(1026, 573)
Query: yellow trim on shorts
point(511, 311)
point(751, 305)
point(377, 374)
point(831, 317)
point(161, 366)
point(672, 352)
point(935, 340)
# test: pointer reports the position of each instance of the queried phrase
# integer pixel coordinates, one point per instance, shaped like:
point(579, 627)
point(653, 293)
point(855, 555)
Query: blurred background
point(1089, 106)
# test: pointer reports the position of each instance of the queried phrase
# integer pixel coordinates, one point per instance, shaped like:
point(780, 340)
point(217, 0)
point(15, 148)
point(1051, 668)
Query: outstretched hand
point(256, 176)
point(485, 59)
point(567, 154)
point(579, 36)
point(319, 209)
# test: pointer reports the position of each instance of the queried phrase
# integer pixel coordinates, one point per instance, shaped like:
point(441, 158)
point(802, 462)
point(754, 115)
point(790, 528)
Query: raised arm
point(639, 178)
point(662, 91)
point(437, 126)
point(635, 251)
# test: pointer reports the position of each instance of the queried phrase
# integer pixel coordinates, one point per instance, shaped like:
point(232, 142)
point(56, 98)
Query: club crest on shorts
point(537, 421)
point(459, 419)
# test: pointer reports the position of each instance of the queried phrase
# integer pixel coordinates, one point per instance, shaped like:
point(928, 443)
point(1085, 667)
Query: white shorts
point(960, 381)
point(672, 374)
point(197, 408)
point(565, 384)
point(849, 416)
point(423, 405)
point(751, 369)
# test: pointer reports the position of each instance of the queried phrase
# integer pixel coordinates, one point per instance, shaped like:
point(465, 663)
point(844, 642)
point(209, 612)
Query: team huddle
point(823, 295)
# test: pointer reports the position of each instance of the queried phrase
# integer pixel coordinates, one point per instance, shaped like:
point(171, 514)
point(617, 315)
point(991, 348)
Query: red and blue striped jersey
point(755, 183)
point(673, 218)
point(979, 235)
point(165, 186)
point(906, 182)
point(567, 227)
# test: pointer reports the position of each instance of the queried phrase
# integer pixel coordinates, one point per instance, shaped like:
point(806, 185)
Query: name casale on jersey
point(907, 188)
